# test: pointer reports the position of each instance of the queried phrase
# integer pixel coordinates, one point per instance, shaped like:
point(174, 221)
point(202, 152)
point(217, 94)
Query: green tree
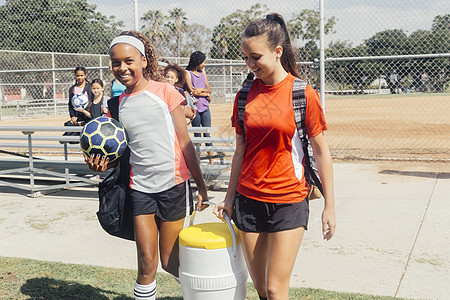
point(388, 42)
point(358, 74)
point(420, 42)
point(339, 45)
point(349, 74)
point(153, 26)
point(306, 27)
point(221, 40)
point(441, 32)
point(176, 25)
point(71, 26)
point(172, 35)
point(441, 23)
point(195, 37)
point(226, 37)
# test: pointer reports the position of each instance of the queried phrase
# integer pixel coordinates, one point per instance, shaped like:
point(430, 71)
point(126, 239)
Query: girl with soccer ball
point(161, 157)
point(81, 86)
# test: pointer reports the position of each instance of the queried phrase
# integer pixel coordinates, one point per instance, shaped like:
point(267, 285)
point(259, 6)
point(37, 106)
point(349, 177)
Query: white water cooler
point(212, 265)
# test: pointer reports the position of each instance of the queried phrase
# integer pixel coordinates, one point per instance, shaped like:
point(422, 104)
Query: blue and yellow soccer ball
point(104, 136)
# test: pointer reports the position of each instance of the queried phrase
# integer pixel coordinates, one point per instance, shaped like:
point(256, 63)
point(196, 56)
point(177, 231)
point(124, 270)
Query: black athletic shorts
point(170, 205)
point(256, 216)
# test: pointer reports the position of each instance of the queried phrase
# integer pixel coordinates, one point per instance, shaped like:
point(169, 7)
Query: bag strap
point(299, 105)
point(113, 107)
point(123, 166)
point(242, 101)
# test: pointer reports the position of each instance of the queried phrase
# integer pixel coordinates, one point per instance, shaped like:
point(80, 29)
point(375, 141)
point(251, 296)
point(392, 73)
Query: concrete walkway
point(392, 235)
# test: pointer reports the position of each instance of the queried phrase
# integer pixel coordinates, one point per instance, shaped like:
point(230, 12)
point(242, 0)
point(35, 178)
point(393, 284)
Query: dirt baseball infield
point(407, 126)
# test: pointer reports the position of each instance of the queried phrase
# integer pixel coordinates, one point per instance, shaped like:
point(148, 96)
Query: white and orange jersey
point(156, 160)
point(272, 168)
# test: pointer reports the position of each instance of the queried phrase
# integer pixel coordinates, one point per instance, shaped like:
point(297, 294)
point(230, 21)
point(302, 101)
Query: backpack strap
point(113, 107)
point(242, 101)
point(123, 166)
point(299, 105)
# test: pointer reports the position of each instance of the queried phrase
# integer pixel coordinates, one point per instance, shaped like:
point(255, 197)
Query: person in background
point(197, 85)
point(175, 75)
point(116, 88)
point(95, 108)
point(81, 86)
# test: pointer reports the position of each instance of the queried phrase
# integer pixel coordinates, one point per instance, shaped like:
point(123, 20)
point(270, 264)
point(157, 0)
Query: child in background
point(77, 117)
point(81, 86)
point(161, 157)
point(197, 85)
point(267, 192)
point(175, 75)
point(95, 108)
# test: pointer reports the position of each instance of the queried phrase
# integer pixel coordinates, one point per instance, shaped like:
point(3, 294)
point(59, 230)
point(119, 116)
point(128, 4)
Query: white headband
point(131, 40)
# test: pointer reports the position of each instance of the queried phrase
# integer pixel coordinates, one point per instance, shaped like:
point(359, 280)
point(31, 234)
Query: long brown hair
point(151, 71)
point(274, 28)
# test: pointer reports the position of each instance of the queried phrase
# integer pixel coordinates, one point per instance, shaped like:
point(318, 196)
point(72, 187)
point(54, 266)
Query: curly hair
point(181, 73)
point(151, 71)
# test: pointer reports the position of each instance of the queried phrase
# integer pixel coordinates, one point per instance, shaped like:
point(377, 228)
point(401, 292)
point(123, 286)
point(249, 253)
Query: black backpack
point(114, 213)
point(299, 105)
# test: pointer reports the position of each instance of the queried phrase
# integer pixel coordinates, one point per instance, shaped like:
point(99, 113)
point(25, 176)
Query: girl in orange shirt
point(267, 192)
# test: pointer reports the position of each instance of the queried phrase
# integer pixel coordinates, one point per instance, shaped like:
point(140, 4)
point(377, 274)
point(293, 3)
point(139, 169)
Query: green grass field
point(32, 279)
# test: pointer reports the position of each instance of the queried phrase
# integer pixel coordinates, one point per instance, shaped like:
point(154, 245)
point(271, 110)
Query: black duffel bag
point(114, 212)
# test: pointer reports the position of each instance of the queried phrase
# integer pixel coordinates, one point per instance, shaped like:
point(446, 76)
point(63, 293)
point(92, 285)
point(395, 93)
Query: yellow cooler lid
point(208, 236)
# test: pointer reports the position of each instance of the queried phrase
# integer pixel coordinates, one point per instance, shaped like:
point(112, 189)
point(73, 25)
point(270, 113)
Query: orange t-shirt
point(272, 167)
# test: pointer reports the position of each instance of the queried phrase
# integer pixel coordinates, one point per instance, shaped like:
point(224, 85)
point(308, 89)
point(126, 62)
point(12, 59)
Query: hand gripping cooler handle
point(230, 227)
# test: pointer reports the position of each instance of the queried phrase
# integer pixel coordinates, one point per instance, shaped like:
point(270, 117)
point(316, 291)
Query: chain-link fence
point(386, 64)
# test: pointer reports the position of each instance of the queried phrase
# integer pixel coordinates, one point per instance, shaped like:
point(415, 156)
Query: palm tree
point(153, 27)
point(177, 24)
point(220, 38)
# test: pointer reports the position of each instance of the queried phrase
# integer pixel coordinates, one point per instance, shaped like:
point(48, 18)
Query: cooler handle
point(230, 227)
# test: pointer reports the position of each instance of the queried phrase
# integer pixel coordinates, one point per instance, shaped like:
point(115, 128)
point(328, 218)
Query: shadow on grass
point(49, 288)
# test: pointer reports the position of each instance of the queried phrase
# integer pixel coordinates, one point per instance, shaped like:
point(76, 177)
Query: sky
point(357, 20)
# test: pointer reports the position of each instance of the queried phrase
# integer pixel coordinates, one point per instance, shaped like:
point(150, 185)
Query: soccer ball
point(80, 101)
point(104, 136)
